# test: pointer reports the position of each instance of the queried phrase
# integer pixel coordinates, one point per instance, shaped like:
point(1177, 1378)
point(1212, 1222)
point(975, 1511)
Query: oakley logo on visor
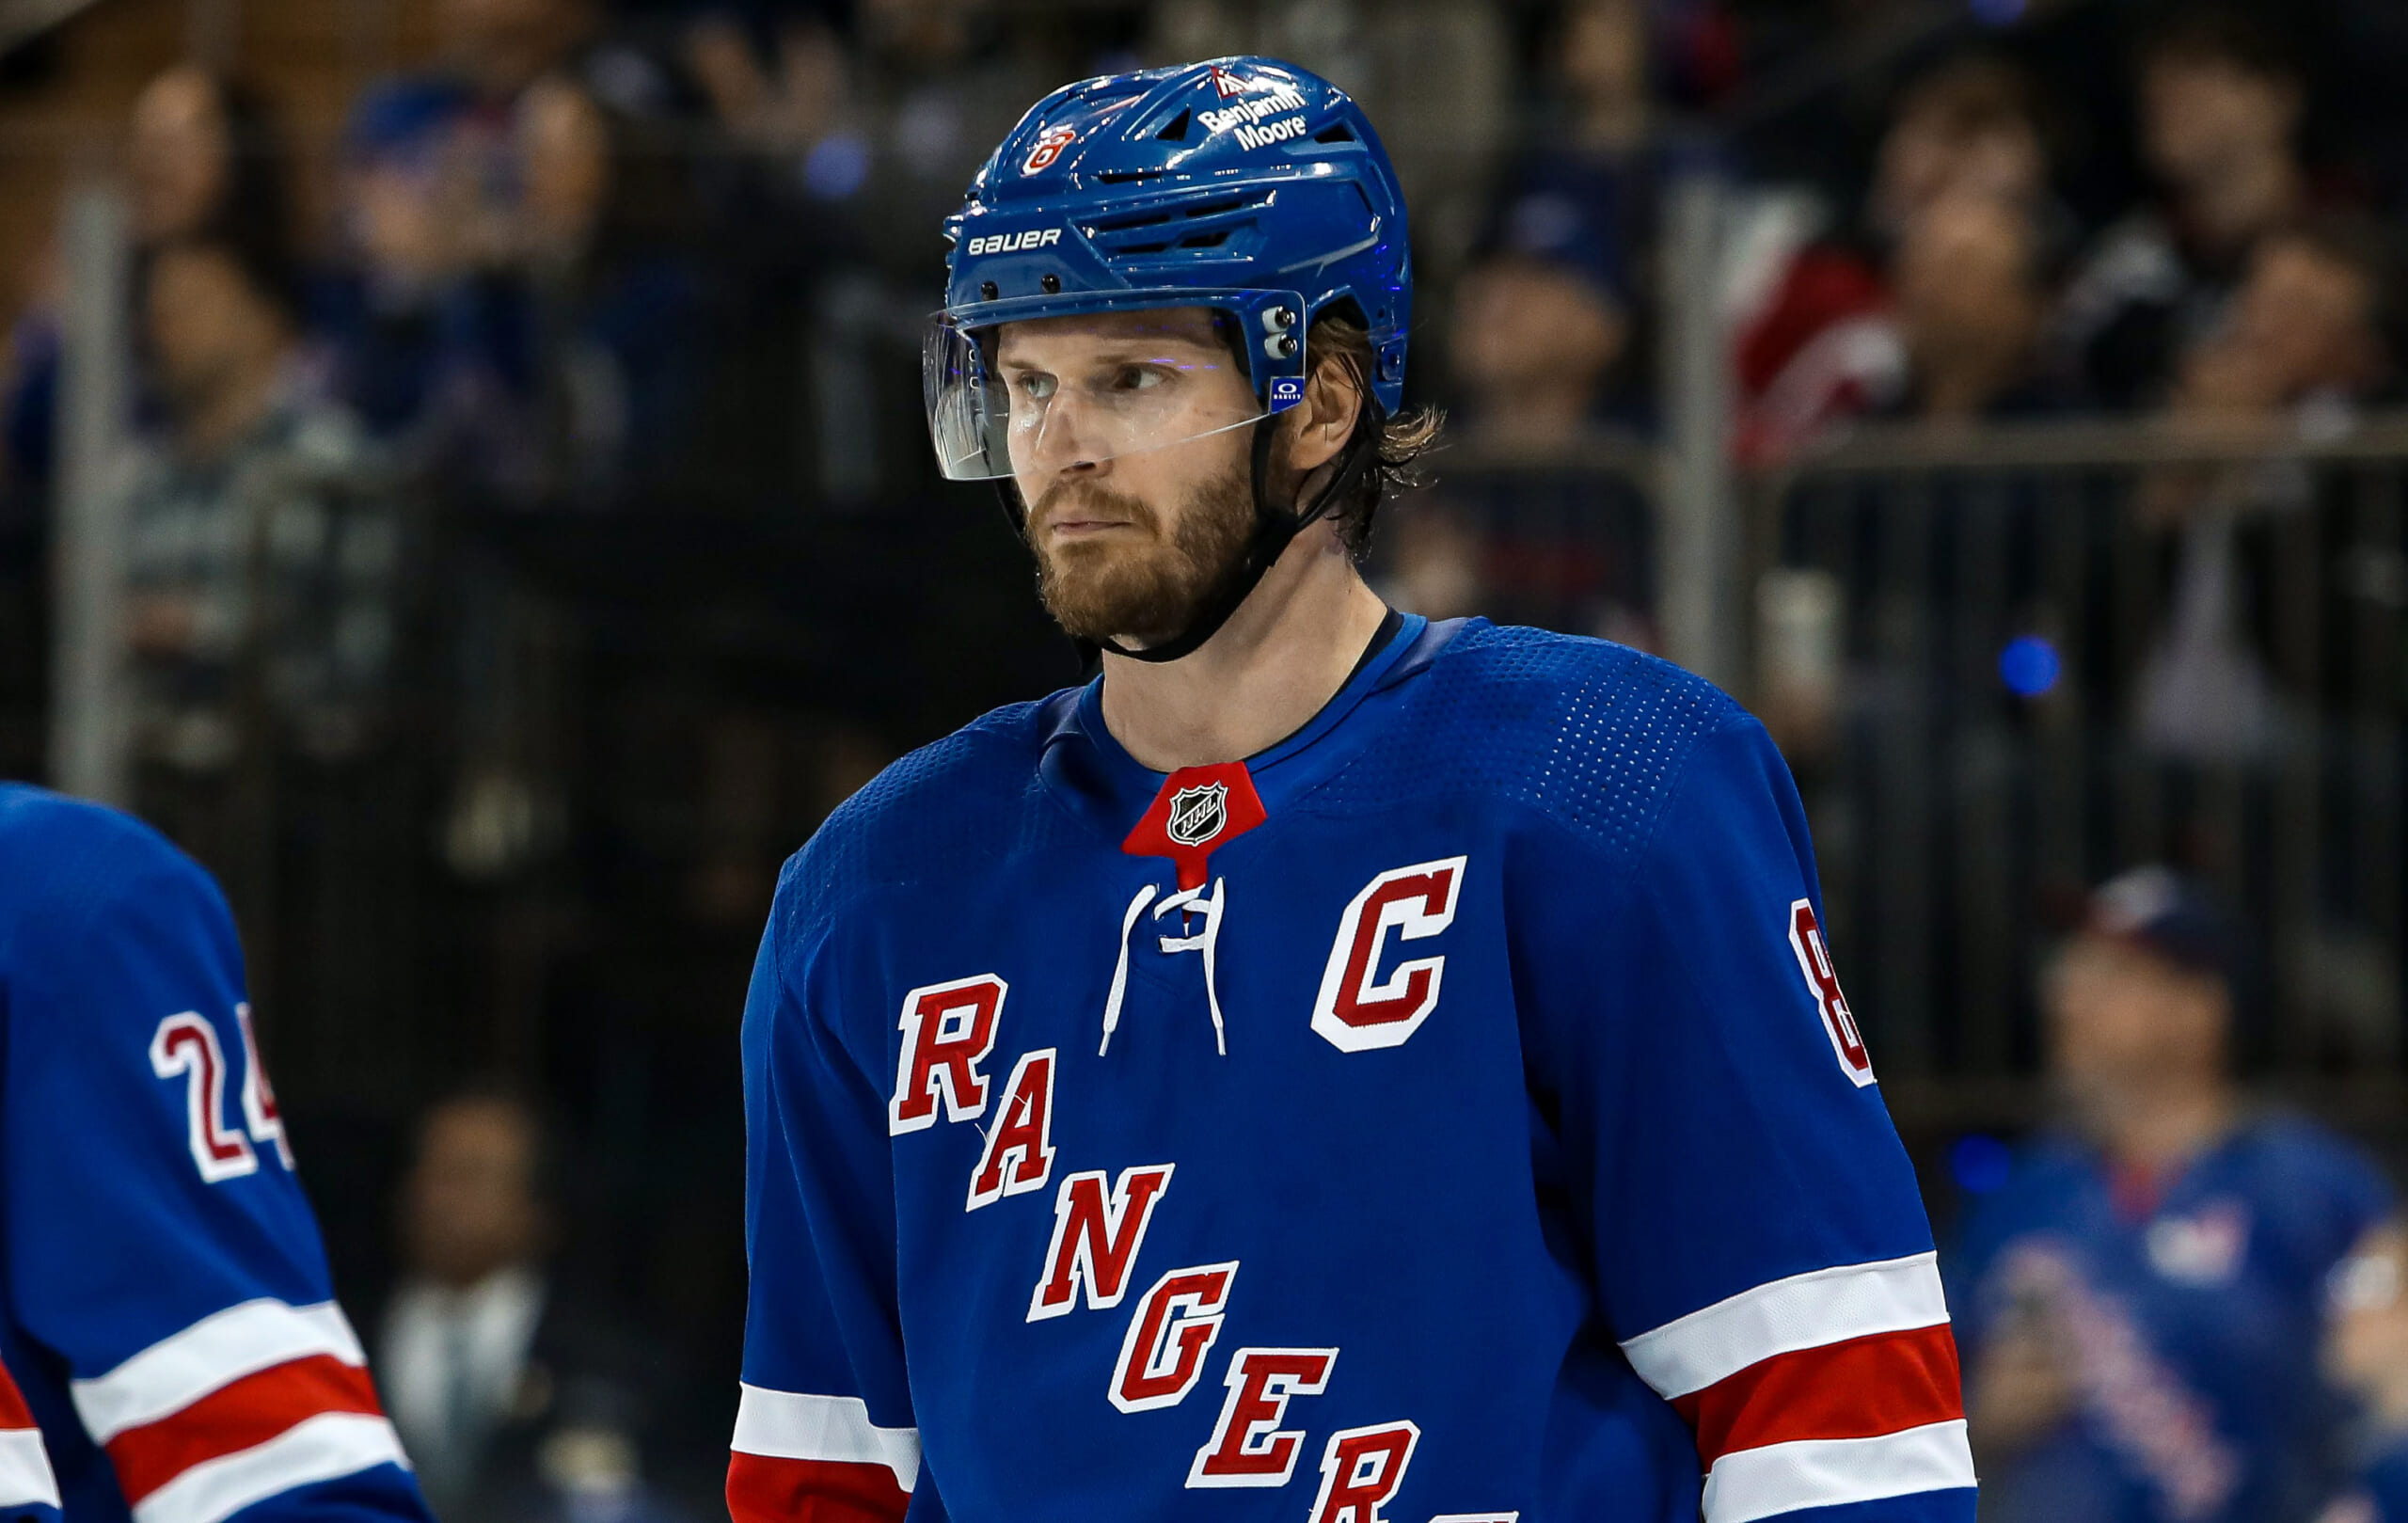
point(1013, 243)
point(1286, 391)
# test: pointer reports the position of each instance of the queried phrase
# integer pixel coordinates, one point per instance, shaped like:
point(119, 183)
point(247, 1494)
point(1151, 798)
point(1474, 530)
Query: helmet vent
point(1122, 177)
point(1204, 240)
point(1337, 132)
point(1176, 132)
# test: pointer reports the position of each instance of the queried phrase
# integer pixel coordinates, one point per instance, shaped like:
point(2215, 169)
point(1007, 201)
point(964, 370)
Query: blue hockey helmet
point(1246, 186)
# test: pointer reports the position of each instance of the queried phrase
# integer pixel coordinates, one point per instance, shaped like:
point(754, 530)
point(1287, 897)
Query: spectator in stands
point(262, 562)
point(2140, 1302)
point(2220, 103)
point(514, 1400)
point(2367, 1353)
point(434, 339)
point(2306, 340)
point(205, 156)
point(1971, 301)
point(1818, 342)
point(1540, 323)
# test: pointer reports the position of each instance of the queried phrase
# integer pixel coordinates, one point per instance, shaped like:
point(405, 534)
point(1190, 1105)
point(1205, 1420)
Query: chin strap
point(1275, 528)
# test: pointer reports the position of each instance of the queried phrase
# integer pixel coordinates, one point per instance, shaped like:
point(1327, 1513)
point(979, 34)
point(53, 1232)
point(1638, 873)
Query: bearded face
point(1109, 567)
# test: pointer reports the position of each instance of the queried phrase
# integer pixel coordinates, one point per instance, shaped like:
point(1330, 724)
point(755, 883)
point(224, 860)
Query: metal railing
point(2008, 662)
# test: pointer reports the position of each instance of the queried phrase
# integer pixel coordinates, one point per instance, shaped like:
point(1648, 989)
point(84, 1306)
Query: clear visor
point(1014, 389)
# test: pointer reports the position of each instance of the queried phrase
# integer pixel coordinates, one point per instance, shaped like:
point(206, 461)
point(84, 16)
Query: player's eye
point(1138, 378)
point(1034, 386)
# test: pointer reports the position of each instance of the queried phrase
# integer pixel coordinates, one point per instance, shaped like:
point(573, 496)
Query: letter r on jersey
point(1823, 982)
point(1361, 1469)
point(1357, 1011)
point(948, 1030)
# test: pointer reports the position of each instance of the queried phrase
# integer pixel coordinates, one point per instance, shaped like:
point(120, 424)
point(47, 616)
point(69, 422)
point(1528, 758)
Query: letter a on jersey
point(1019, 1156)
point(1359, 1010)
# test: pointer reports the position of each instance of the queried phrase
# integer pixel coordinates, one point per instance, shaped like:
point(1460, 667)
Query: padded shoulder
point(972, 795)
point(1589, 734)
point(62, 859)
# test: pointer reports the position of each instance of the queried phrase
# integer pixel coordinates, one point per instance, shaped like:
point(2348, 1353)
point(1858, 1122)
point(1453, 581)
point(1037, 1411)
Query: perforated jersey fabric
point(1482, 1131)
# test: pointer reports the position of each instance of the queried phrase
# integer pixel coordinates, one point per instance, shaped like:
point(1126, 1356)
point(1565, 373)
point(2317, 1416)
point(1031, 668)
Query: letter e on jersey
point(1361, 1469)
point(948, 1030)
point(1174, 1328)
point(1823, 982)
point(1247, 1447)
point(1357, 1011)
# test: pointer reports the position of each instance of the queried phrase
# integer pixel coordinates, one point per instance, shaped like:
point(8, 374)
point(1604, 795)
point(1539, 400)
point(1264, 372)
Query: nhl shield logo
point(1196, 815)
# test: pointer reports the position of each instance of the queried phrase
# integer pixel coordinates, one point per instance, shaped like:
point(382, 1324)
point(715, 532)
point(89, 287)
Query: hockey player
point(1333, 1067)
point(176, 1352)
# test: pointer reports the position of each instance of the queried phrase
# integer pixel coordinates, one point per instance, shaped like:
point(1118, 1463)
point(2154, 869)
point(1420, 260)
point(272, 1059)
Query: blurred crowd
point(619, 258)
point(618, 305)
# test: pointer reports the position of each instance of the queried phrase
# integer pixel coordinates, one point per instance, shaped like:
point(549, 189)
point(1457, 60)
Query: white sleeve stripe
point(24, 1470)
point(1752, 1484)
point(1809, 1310)
point(212, 1353)
point(329, 1445)
point(788, 1425)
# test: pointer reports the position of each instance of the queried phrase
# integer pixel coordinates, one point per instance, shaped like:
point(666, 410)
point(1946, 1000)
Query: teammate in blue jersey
point(2366, 1352)
point(1332, 1066)
point(2143, 1299)
point(176, 1352)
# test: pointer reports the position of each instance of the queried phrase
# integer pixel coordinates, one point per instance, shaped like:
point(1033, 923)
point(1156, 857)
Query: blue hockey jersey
point(166, 1317)
point(2195, 1325)
point(1449, 1112)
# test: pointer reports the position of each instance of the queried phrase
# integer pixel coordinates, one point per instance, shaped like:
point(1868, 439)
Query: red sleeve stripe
point(763, 1489)
point(1862, 1388)
point(13, 1411)
point(234, 1418)
point(1803, 1312)
point(790, 1425)
point(321, 1447)
point(221, 1348)
point(25, 1471)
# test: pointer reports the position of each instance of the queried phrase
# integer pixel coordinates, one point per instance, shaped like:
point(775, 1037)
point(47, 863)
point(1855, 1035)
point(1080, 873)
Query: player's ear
point(1325, 418)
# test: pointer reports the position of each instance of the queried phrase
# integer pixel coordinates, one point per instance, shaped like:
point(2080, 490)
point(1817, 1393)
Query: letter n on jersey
point(948, 1030)
point(1096, 1238)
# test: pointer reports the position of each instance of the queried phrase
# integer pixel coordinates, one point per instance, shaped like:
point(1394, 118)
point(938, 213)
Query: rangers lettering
point(1247, 1447)
point(948, 1030)
point(1360, 1470)
point(1013, 243)
point(1176, 1324)
point(1096, 1239)
point(1823, 982)
point(1019, 1150)
point(1355, 1012)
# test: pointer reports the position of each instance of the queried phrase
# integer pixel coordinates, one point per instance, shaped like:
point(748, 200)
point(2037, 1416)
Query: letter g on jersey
point(1357, 1011)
